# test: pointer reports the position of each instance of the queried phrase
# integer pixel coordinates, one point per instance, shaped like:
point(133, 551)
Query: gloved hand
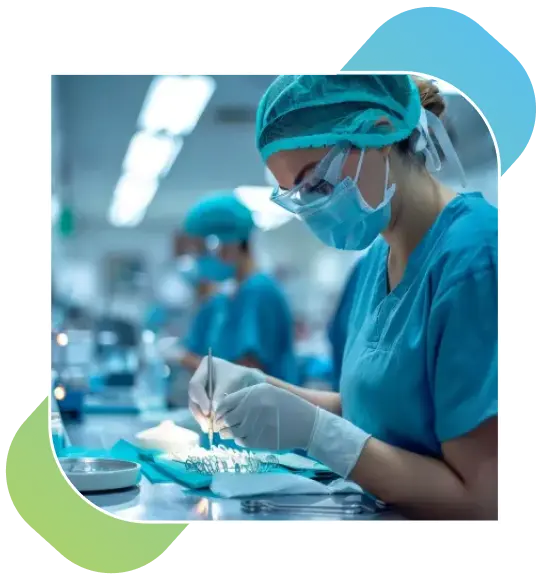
point(228, 378)
point(267, 417)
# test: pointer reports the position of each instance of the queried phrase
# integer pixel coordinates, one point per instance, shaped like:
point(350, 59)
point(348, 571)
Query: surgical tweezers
point(210, 394)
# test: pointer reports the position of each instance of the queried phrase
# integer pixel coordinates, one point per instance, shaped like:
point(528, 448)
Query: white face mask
point(345, 220)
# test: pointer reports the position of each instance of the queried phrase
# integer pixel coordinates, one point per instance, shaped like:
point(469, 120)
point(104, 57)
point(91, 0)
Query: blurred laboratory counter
point(173, 502)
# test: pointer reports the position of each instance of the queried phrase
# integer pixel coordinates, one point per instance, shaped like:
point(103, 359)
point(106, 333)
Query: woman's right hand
point(228, 378)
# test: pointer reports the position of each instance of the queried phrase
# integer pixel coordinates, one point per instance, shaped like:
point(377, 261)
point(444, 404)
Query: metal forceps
point(210, 394)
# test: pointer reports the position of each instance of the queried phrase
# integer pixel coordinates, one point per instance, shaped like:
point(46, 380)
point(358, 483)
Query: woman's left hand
point(266, 417)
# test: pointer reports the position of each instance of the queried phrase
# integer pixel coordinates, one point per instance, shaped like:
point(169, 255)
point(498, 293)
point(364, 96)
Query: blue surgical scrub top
point(257, 322)
point(338, 327)
point(156, 318)
point(204, 327)
point(421, 362)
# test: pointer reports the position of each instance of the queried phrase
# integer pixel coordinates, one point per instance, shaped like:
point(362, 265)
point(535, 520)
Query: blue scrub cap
point(301, 111)
point(221, 215)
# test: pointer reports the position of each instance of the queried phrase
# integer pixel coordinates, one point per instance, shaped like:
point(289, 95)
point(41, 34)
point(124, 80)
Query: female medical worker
point(256, 327)
point(415, 422)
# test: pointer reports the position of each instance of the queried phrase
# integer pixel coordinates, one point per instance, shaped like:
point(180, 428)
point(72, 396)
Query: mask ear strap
point(361, 157)
point(388, 192)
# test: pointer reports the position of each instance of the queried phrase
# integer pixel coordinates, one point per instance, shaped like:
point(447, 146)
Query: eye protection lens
point(316, 187)
point(209, 246)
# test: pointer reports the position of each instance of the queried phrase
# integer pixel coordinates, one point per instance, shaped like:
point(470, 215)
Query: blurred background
point(115, 289)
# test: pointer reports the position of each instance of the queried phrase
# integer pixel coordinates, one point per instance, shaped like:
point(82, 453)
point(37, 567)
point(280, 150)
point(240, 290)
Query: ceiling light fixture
point(266, 214)
point(174, 104)
point(151, 156)
point(131, 199)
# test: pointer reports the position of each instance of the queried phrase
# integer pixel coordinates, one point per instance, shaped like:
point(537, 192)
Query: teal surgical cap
point(221, 215)
point(301, 111)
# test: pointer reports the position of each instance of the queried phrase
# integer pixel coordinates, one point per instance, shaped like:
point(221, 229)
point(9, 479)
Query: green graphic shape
point(84, 535)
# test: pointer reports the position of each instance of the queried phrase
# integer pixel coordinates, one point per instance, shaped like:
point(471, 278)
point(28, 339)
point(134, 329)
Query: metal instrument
point(329, 507)
point(210, 394)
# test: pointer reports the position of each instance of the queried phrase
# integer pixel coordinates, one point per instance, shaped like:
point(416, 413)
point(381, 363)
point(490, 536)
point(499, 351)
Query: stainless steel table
point(172, 502)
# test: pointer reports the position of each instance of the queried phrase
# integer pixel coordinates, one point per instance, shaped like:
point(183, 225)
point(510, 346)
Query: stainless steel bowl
point(100, 474)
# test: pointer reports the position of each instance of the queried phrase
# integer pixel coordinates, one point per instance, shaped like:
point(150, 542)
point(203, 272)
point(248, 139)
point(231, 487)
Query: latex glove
point(267, 417)
point(228, 379)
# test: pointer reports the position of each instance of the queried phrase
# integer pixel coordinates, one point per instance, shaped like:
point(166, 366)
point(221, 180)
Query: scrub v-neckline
point(419, 255)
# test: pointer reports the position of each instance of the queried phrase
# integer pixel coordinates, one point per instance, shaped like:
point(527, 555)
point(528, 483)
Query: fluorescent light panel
point(267, 215)
point(174, 104)
point(151, 156)
point(121, 219)
point(172, 108)
point(131, 199)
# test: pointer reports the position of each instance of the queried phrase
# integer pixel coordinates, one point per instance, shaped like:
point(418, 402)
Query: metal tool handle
point(272, 506)
point(210, 375)
point(210, 394)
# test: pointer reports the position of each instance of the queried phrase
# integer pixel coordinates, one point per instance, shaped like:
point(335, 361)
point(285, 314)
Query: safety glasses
point(316, 187)
point(203, 246)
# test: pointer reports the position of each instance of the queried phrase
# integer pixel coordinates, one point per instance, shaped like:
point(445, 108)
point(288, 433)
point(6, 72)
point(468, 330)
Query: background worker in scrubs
point(256, 325)
point(415, 422)
point(208, 307)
